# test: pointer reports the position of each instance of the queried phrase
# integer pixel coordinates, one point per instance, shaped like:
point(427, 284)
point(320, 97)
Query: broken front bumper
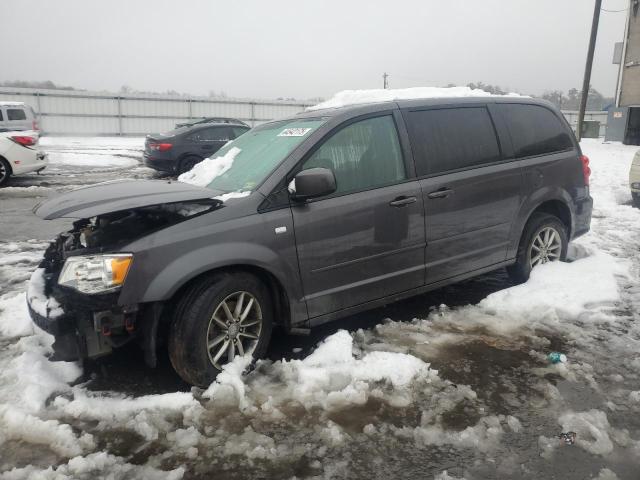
point(90, 327)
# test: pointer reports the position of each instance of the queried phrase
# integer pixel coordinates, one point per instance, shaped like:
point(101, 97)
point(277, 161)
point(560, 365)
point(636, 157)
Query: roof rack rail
point(211, 120)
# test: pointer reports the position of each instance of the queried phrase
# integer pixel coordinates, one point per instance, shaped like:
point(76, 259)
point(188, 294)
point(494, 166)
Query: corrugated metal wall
point(64, 112)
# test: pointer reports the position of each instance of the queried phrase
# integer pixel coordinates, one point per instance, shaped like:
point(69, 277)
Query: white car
point(19, 154)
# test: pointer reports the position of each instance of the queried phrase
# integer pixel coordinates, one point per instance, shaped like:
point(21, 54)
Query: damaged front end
point(74, 294)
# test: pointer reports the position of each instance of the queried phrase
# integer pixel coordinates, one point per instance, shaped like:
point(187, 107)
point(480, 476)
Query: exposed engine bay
point(94, 324)
point(115, 228)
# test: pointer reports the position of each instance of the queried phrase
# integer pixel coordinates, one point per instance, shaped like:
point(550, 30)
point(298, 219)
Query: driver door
point(366, 240)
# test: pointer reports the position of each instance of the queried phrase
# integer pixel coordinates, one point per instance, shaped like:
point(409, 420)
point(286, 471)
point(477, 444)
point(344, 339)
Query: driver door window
point(363, 155)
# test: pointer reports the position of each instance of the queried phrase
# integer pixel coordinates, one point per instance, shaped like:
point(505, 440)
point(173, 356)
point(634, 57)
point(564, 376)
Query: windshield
point(245, 162)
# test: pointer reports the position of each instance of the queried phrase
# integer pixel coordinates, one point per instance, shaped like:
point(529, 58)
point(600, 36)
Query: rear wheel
point(5, 171)
point(216, 320)
point(635, 199)
point(188, 163)
point(544, 240)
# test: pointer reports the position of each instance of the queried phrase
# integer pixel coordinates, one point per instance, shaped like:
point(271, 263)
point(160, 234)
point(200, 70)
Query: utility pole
point(386, 83)
point(587, 71)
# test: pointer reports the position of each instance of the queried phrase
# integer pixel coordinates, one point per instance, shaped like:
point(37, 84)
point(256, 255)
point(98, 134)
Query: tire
point(5, 172)
point(193, 326)
point(533, 240)
point(187, 163)
point(635, 199)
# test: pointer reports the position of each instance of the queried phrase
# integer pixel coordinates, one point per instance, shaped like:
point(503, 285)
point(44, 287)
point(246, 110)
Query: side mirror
point(312, 183)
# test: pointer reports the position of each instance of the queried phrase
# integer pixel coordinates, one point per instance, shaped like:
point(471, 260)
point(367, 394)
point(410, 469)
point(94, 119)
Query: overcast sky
point(303, 49)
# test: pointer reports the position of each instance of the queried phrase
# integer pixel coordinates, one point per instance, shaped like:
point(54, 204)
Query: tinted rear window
point(215, 134)
point(16, 114)
point(1, 119)
point(535, 130)
point(237, 131)
point(451, 139)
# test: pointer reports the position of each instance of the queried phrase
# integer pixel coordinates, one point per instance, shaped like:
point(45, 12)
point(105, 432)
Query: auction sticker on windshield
point(294, 132)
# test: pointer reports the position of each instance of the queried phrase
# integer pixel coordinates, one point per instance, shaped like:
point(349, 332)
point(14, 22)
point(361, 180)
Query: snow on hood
point(228, 196)
point(356, 97)
point(204, 172)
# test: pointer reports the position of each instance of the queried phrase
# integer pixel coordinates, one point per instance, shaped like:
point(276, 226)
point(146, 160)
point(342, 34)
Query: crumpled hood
point(114, 196)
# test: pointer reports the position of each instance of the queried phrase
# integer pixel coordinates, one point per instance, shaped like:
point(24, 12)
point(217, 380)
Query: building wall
point(630, 83)
point(62, 112)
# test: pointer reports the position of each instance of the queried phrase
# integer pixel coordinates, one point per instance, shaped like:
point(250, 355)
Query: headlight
point(95, 273)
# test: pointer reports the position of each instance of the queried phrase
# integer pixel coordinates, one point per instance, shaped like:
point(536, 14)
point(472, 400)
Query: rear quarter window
point(16, 114)
point(451, 139)
point(237, 131)
point(215, 134)
point(535, 130)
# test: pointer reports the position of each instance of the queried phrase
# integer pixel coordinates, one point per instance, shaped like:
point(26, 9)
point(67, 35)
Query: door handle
point(440, 193)
point(403, 201)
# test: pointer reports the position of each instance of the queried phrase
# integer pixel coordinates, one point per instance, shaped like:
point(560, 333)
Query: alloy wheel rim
point(3, 171)
point(234, 328)
point(546, 247)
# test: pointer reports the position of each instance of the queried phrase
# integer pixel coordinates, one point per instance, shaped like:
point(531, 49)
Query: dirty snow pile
point(208, 169)
point(355, 97)
point(459, 391)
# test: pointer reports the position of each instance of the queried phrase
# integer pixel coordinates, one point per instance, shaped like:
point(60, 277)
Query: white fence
point(63, 112)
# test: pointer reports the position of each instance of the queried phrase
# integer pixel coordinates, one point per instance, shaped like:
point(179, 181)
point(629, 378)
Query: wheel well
point(558, 209)
point(278, 294)
point(186, 155)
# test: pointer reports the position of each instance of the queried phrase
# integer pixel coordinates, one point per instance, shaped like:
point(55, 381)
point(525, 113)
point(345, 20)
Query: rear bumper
point(26, 160)
point(582, 219)
point(160, 164)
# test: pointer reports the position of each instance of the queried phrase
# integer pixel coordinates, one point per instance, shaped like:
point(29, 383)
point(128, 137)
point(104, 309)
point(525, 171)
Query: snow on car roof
point(356, 97)
point(16, 104)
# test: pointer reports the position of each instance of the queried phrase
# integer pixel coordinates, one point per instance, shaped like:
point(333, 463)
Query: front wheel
point(544, 240)
point(216, 320)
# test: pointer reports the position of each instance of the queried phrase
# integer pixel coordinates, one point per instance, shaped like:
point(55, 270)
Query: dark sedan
point(179, 150)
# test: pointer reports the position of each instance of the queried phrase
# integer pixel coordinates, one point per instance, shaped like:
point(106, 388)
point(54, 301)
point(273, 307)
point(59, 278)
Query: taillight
point(34, 125)
point(586, 170)
point(24, 140)
point(160, 147)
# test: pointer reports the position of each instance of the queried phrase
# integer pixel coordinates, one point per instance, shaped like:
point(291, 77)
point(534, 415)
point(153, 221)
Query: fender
point(164, 262)
point(196, 262)
point(533, 202)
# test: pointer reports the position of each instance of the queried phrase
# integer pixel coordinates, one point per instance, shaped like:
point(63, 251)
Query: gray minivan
point(343, 210)
point(17, 116)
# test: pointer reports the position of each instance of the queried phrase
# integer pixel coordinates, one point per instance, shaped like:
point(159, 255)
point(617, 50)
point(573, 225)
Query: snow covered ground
point(461, 391)
point(92, 151)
